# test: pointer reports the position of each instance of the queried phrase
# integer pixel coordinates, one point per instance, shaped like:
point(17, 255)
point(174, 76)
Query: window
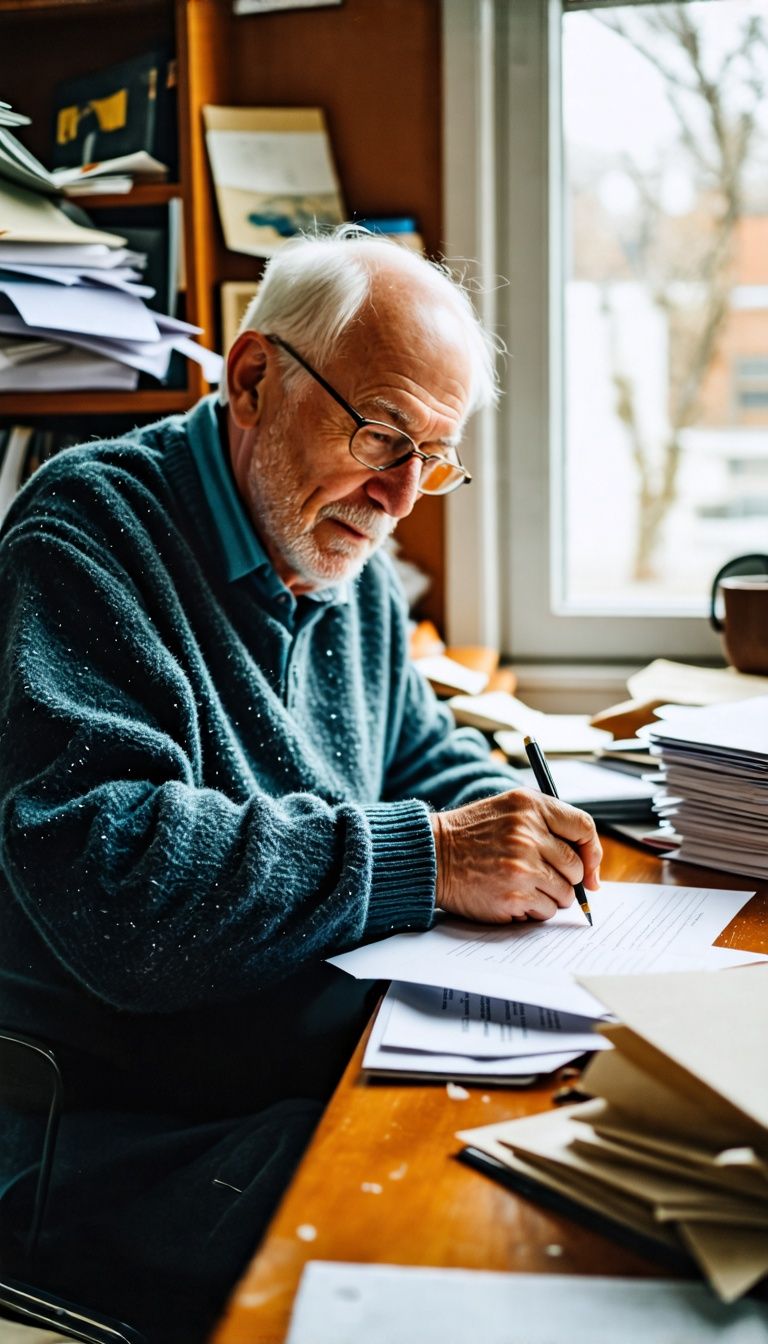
point(750, 380)
point(621, 150)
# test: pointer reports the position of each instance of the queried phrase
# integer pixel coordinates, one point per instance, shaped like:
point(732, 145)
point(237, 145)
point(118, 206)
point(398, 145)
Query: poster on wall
point(274, 175)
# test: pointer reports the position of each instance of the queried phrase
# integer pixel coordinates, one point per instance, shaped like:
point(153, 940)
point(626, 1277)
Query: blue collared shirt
point(243, 553)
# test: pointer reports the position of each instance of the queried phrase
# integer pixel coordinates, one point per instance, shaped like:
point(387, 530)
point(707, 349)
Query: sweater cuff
point(404, 868)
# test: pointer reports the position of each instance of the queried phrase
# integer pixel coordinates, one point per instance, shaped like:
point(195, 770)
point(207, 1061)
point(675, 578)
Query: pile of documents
point(72, 310)
point(714, 795)
point(499, 1003)
point(674, 1146)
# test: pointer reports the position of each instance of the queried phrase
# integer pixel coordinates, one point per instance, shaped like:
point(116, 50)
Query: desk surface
point(379, 1183)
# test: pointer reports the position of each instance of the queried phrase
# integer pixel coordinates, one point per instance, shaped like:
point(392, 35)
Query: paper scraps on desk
point(420, 1031)
point(340, 1303)
point(638, 927)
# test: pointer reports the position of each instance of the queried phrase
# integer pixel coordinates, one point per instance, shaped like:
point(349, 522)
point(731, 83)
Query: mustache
point(375, 524)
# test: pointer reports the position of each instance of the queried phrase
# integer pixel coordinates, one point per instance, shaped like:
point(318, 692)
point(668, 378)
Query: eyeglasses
point(381, 447)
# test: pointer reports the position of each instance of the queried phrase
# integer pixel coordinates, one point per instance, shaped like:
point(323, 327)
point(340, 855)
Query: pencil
point(547, 785)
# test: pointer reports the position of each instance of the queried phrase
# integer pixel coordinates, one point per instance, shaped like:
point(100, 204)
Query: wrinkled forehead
point(404, 324)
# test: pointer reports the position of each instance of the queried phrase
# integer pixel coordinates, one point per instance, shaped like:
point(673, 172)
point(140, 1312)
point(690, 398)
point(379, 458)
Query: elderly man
point(218, 769)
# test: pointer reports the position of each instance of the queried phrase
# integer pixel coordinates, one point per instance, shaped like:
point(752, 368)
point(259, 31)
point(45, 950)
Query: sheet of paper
point(554, 732)
point(729, 1058)
point(446, 671)
point(66, 370)
point(139, 164)
point(597, 1145)
point(739, 728)
point(556, 1137)
point(382, 1059)
point(341, 1303)
point(734, 1259)
point(27, 217)
point(123, 278)
point(580, 782)
point(81, 308)
point(453, 1022)
point(683, 684)
point(642, 1099)
point(638, 927)
point(270, 162)
point(70, 254)
point(147, 356)
point(558, 734)
point(265, 6)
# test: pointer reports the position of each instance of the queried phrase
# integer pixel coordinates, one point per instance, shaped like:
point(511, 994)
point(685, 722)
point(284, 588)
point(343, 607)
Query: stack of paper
point(72, 310)
point(674, 1147)
point(72, 302)
point(114, 176)
point(504, 1001)
point(715, 783)
point(421, 1030)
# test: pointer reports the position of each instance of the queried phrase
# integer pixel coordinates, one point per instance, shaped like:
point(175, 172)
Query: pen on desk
point(547, 785)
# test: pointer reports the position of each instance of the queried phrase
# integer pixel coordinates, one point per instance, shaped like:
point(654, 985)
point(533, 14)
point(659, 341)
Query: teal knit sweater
point(198, 804)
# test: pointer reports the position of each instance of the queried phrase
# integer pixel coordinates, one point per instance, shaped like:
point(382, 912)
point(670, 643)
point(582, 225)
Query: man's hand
point(510, 857)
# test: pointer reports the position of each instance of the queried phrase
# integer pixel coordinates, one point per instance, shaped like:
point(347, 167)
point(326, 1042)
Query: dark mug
point(743, 585)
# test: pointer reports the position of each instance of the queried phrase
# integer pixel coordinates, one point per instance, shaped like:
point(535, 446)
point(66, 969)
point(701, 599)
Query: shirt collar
point(241, 546)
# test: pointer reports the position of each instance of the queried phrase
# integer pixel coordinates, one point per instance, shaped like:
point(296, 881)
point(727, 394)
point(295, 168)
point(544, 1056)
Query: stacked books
point(671, 1153)
point(714, 793)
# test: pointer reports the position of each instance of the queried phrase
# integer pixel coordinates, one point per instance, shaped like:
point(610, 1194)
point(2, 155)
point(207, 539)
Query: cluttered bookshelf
point(106, 88)
point(338, 58)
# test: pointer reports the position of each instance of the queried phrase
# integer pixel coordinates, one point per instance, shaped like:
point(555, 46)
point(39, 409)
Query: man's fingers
point(555, 883)
point(577, 828)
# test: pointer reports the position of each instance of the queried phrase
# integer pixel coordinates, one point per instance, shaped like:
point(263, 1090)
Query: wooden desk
point(378, 1183)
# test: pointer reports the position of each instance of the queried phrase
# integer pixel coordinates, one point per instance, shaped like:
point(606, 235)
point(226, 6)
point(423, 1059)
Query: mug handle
point(743, 564)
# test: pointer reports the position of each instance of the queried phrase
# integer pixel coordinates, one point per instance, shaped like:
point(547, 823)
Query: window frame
point(503, 206)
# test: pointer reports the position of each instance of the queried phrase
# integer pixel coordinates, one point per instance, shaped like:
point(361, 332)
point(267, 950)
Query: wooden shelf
point(27, 6)
point(144, 193)
point(164, 401)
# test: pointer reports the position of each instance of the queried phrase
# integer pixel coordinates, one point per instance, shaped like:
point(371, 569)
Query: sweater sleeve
point(430, 757)
point(155, 892)
point(435, 760)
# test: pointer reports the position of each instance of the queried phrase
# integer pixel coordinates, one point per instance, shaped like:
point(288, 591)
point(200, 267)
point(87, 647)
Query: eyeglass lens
point(381, 446)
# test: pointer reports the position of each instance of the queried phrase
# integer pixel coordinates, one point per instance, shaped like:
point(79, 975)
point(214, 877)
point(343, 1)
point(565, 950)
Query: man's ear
point(248, 364)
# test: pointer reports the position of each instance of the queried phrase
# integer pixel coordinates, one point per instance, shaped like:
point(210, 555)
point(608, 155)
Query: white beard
point(273, 492)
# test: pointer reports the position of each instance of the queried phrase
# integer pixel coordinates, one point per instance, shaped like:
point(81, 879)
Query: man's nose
point(396, 491)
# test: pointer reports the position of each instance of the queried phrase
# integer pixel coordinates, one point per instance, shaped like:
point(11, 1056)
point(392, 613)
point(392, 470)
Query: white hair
point(314, 287)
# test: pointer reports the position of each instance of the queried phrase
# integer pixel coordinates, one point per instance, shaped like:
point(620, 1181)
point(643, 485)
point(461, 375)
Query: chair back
point(31, 1083)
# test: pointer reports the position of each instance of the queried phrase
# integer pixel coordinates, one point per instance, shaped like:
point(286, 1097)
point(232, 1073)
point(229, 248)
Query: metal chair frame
point(28, 1303)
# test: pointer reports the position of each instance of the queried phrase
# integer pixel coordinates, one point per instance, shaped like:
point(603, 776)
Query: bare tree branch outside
point(668, 226)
